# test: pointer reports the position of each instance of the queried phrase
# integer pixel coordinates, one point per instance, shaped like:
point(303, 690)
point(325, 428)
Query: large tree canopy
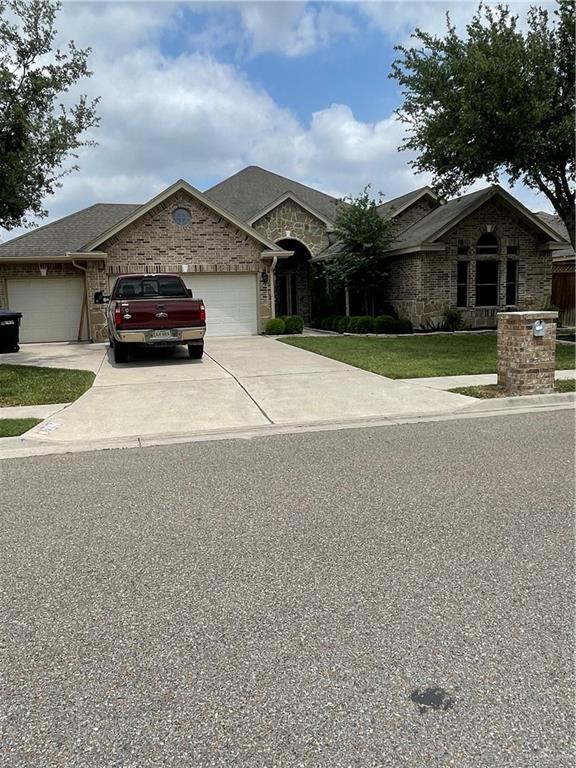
point(38, 133)
point(363, 236)
point(498, 100)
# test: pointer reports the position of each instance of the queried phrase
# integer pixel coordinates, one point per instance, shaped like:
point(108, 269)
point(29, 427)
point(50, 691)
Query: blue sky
point(199, 90)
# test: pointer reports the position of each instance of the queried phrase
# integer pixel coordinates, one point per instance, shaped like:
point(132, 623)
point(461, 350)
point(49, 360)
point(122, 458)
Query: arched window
point(487, 243)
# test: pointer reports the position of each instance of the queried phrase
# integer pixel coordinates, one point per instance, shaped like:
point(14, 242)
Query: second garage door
point(230, 300)
point(51, 307)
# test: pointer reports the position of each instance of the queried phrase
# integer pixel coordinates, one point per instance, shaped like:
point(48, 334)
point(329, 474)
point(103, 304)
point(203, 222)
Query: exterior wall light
point(264, 277)
point(43, 269)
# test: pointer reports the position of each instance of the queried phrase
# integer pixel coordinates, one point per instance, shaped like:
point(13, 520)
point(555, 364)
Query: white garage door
point(230, 302)
point(50, 307)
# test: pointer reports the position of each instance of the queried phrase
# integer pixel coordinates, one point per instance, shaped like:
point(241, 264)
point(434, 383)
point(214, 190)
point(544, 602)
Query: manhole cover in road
point(431, 698)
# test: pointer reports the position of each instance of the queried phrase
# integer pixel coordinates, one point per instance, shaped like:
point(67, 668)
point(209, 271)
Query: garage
point(51, 307)
point(230, 301)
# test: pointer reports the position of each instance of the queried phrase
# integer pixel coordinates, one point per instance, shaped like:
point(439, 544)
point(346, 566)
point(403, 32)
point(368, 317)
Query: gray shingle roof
point(554, 221)
point(402, 202)
point(251, 190)
point(68, 234)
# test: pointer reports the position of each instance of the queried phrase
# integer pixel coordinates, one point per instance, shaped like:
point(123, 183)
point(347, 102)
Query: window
point(511, 283)
point(462, 249)
point(462, 284)
point(150, 287)
point(181, 216)
point(487, 243)
point(487, 283)
point(512, 248)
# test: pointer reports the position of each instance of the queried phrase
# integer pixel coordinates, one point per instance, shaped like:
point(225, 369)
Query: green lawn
point(493, 390)
point(15, 427)
point(30, 385)
point(409, 357)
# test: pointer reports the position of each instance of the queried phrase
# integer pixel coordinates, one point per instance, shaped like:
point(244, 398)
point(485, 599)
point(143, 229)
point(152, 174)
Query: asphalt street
point(394, 596)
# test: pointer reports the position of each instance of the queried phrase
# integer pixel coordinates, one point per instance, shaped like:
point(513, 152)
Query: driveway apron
point(240, 383)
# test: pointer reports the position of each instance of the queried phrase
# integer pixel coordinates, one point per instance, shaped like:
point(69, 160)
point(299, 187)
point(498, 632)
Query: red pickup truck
point(153, 311)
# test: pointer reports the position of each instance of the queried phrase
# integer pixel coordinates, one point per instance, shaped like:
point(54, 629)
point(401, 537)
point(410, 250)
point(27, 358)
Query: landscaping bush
point(352, 324)
point(452, 319)
point(293, 324)
point(403, 325)
point(326, 323)
point(389, 311)
point(365, 324)
point(342, 324)
point(385, 324)
point(274, 327)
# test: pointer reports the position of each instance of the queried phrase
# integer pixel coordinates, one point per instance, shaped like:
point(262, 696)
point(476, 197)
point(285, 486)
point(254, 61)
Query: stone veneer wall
point(154, 243)
point(302, 225)
point(432, 285)
point(526, 363)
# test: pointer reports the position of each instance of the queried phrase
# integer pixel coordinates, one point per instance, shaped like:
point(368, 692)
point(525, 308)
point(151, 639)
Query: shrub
point(352, 324)
point(388, 309)
point(385, 324)
point(274, 327)
point(365, 324)
point(452, 319)
point(342, 325)
point(293, 324)
point(326, 323)
point(403, 325)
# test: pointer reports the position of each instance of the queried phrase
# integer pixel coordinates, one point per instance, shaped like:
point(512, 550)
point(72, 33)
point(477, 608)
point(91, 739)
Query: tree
point(498, 100)
point(362, 236)
point(37, 133)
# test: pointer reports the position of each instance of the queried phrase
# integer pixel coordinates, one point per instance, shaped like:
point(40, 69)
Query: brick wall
point(412, 214)
point(526, 364)
point(434, 286)
point(154, 243)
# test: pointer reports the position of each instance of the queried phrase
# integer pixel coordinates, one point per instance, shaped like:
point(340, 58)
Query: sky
point(200, 90)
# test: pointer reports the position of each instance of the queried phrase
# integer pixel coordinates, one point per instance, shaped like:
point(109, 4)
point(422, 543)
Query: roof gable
point(398, 205)
point(448, 215)
point(252, 189)
point(178, 186)
point(282, 199)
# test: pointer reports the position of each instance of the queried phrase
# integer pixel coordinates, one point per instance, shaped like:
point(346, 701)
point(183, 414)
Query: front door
point(286, 303)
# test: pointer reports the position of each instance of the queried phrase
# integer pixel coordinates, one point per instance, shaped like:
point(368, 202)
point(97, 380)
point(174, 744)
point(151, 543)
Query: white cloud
point(195, 117)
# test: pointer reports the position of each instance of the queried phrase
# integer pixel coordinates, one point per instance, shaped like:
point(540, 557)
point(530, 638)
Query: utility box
point(527, 352)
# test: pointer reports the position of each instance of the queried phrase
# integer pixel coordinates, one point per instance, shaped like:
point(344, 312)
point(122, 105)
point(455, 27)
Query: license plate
point(164, 334)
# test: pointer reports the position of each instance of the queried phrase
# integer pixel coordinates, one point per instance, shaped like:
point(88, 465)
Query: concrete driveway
point(240, 383)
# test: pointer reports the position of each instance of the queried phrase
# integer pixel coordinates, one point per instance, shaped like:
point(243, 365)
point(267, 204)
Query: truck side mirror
point(189, 292)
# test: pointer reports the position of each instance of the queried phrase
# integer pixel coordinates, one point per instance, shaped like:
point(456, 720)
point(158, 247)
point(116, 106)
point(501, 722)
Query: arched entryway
point(292, 286)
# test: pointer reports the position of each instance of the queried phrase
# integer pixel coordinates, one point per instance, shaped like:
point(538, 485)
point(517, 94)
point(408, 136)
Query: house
point(563, 273)
point(253, 245)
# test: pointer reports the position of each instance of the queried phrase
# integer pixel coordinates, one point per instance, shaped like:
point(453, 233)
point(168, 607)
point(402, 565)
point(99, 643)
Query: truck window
point(150, 287)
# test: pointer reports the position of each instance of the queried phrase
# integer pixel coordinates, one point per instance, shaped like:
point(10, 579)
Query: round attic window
point(181, 216)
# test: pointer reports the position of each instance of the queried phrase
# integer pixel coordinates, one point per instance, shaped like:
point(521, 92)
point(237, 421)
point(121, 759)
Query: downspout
point(272, 285)
point(85, 302)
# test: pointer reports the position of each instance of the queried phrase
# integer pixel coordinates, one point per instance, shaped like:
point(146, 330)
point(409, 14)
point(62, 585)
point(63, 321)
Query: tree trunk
point(567, 215)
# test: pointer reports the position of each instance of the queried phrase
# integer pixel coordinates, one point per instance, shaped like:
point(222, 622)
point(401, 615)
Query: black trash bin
point(9, 331)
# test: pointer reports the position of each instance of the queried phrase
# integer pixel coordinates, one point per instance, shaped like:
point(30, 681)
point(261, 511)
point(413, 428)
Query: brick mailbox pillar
point(527, 352)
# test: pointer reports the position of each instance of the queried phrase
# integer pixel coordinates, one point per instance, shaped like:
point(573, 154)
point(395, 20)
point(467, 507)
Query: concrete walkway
point(240, 383)
point(450, 382)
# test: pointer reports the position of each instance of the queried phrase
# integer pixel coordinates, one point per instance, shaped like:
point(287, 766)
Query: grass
point(15, 427)
point(410, 357)
point(31, 385)
point(493, 390)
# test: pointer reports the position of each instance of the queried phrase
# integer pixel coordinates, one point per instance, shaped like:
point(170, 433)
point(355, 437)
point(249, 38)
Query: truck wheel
point(120, 352)
point(196, 351)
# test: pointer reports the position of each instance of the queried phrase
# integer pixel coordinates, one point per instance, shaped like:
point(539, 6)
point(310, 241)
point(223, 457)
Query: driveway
point(240, 383)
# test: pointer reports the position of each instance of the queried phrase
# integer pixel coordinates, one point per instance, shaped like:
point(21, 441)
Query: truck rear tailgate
point(159, 313)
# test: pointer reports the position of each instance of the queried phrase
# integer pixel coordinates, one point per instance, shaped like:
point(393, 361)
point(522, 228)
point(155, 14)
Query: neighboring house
point(563, 272)
point(252, 246)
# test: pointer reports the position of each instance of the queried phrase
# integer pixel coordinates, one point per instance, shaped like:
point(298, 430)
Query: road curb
point(26, 447)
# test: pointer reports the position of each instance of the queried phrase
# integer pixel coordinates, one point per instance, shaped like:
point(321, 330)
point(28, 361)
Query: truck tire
point(120, 352)
point(196, 351)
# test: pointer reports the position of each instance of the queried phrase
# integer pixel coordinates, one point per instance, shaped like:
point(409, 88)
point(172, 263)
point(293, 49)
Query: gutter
point(85, 302)
point(273, 286)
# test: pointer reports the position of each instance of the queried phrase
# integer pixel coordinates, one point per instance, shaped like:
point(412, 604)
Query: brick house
point(253, 245)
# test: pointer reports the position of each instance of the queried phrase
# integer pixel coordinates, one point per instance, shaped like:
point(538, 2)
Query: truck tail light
point(203, 313)
point(117, 316)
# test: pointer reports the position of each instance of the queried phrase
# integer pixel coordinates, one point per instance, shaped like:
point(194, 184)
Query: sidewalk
point(450, 382)
point(31, 411)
